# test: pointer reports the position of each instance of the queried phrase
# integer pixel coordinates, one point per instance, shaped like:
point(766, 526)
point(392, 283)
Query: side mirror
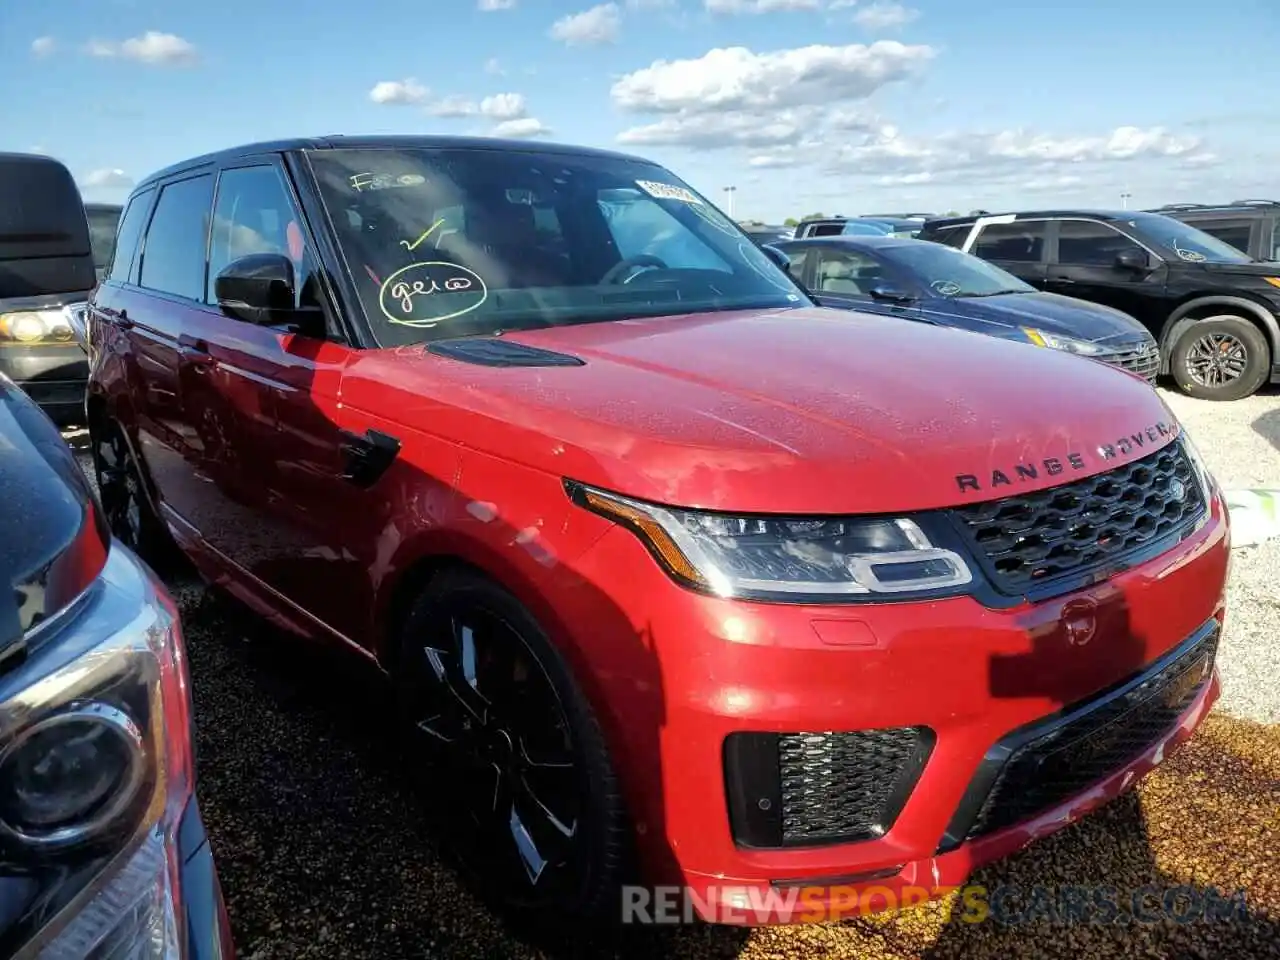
point(890, 294)
point(258, 289)
point(1135, 260)
point(777, 256)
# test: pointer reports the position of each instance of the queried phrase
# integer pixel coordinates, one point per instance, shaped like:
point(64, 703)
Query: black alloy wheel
point(124, 498)
point(1221, 358)
point(530, 802)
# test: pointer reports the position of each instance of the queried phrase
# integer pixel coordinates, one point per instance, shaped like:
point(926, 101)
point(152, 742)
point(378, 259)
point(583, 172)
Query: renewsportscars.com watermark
point(1007, 904)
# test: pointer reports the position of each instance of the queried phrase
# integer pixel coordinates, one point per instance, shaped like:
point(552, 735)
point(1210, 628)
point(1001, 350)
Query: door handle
point(195, 351)
point(1061, 280)
point(121, 319)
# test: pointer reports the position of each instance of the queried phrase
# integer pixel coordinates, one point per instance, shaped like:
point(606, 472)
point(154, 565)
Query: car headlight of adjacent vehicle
point(1056, 341)
point(96, 771)
point(36, 327)
point(795, 559)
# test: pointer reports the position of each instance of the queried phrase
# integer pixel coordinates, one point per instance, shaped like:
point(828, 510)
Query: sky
point(801, 106)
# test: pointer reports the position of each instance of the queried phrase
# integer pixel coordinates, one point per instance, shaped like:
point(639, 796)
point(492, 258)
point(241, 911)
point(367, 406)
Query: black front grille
point(1143, 359)
point(808, 789)
point(1042, 766)
point(1034, 537)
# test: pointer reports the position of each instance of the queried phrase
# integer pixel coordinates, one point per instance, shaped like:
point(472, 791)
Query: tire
point(1221, 358)
point(584, 885)
point(125, 501)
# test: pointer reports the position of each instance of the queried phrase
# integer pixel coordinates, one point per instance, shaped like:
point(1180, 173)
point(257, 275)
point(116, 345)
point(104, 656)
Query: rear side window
point(173, 256)
point(1020, 241)
point(120, 264)
point(826, 229)
point(951, 236)
point(1092, 244)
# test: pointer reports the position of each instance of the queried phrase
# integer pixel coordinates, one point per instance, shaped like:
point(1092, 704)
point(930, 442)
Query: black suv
point(1249, 225)
point(1214, 310)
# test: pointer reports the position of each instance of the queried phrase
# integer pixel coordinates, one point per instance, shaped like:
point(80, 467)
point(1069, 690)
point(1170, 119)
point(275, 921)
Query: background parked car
point(104, 851)
point(46, 275)
point(1213, 309)
point(860, 226)
point(918, 280)
point(763, 233)
point(104, 218)
point(1252, 226)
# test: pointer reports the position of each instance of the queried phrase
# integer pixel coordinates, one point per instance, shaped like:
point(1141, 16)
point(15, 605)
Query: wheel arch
point(1197, 308)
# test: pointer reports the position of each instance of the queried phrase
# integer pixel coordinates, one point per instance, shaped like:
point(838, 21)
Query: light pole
point(729, 192)
point(1124, 198)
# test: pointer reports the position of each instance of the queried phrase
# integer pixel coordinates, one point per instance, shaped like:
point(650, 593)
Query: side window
point(1234, 232)
point(827, 230)
point(1091, 244)
point(847, 272)
point(799, 257)
point(1020, 241)
point(126, 248)
point(255, 214)
point(174, 251)
point(1271, 248)
point(952, 236)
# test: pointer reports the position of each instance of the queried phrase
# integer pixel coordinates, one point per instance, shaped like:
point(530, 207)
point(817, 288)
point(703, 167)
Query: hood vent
point(492, 352)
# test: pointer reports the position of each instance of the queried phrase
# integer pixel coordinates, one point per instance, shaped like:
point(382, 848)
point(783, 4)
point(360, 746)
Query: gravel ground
point(324, 851)
point(1241, 442)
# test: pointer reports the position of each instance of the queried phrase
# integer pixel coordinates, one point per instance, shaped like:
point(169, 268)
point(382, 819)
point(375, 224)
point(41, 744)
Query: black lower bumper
point(54, 377)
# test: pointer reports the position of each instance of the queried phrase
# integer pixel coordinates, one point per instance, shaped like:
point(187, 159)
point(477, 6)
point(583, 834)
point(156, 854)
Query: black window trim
point(148, 194)
point(160, 185)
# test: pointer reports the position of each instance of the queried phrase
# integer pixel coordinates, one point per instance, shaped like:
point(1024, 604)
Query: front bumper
point(683, 674)
point(53, 376)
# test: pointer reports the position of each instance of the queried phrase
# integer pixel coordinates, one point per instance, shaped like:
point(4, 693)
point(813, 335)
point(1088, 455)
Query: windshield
point(454, 241)
point(1186, 242)
point(102, 234)
point(950, 273)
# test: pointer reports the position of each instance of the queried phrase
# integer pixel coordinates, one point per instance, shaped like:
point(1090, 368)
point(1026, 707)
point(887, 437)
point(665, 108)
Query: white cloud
point(887, 152)
point(112, 179)
point(504, 106)
point(598, 25)
point(399, 92)
point(762, 101)
point(488, 6)
point(736, 78)
point(43, 46)
point(522, 129)
point(152, 47)
point(494, 66)
point(759, 6)
point(885, 15)
point(453, 106)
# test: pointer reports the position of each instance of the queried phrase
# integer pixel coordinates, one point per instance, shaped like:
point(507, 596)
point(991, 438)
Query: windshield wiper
point(993, 293)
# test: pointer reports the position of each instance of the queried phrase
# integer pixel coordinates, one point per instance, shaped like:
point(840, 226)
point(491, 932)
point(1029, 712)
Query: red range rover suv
point(677, 576)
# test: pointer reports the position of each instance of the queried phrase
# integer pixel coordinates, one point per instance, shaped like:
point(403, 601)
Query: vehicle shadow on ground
point(1267, 426)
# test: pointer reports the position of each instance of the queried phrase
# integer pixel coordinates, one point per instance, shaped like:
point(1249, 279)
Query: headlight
point(31, 327)
point(1056, 341)
point(781, 558)
point(95, 774)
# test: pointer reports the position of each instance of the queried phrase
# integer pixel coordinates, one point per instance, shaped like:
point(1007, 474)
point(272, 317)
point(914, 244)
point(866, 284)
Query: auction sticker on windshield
point(667, 191)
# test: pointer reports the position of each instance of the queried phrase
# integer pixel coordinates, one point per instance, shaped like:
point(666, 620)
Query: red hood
point(809, 411)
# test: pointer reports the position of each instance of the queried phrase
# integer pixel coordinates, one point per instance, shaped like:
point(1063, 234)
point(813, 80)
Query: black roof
point(1235, 206)
point(385, 141)
point(870, 241)
point(1059, 214)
